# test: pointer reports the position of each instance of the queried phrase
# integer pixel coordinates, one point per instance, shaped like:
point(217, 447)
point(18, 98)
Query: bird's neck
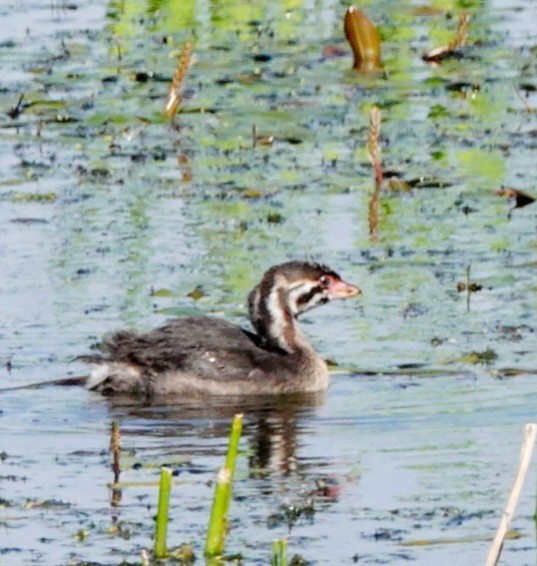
point(273, 318)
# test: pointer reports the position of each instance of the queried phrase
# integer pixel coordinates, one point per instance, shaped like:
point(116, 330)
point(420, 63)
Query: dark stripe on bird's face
point(315, 296)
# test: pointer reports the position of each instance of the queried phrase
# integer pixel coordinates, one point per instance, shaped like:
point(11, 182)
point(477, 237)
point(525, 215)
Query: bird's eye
point(324, 281)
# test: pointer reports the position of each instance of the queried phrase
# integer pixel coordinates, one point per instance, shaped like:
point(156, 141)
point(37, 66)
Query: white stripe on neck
point(276, 310)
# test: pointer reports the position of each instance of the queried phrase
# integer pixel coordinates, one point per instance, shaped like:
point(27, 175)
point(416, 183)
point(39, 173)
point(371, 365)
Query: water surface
point(110, 216)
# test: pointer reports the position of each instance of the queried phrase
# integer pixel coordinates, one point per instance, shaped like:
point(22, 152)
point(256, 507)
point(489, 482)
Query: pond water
point(112, 216)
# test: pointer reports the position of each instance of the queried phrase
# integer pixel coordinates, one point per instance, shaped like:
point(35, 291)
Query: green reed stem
point(161, 528)
point(232, 451)
point(279, 552)
point(216, 532)
point(217, 529)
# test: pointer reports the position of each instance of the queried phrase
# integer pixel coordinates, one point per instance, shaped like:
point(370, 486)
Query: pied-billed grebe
point(208, 356)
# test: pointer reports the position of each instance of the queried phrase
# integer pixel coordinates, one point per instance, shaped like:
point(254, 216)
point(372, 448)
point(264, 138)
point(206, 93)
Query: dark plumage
point(204, 355)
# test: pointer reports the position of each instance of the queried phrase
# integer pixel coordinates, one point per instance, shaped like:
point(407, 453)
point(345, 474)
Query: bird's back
point(199, 355)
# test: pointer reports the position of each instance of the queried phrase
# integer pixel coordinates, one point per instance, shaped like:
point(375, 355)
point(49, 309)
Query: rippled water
point(110, 217)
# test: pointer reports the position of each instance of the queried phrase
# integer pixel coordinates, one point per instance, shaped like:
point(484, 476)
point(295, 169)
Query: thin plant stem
point(283, 552)
point(458, 40)
point(530, 435)
point(232, 451)
point(373, 147)
point(468, 285)
point(216, 531)
point(535, 514)
point(161, 529)
point(275, 553)
point(279, 552)
point(115, 447)
point(174, 96)
point(461, 35)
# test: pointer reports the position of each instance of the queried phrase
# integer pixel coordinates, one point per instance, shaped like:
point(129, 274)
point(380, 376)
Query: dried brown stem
point(373, 144)
point(530, 434)
point(115, 448)
point(460, 38)
point(461, 35)
point(258, 139)
point(174, 96)
point(373, 147)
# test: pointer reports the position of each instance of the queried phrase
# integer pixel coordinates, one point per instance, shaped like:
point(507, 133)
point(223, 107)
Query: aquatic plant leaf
point(511, 535)
point(363, 39)
point(28, 197)
point(197, 293)
point(438, 111)
point(486, 357)
point(161, 292)
point(398, 184)
point(428, 182)
point(483, 167)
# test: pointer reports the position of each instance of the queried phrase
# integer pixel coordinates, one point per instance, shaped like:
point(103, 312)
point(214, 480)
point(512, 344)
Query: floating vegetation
point(54, 504)
point(28, 197)
point(511, 535)
point(486, 357)
point(95, 173)
point(163, 292)
point(197, 293)
point(473, 287)
point(397, 183)
point(22, 106)
point(290, 514)
point(184, 554)
point(274, 218)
